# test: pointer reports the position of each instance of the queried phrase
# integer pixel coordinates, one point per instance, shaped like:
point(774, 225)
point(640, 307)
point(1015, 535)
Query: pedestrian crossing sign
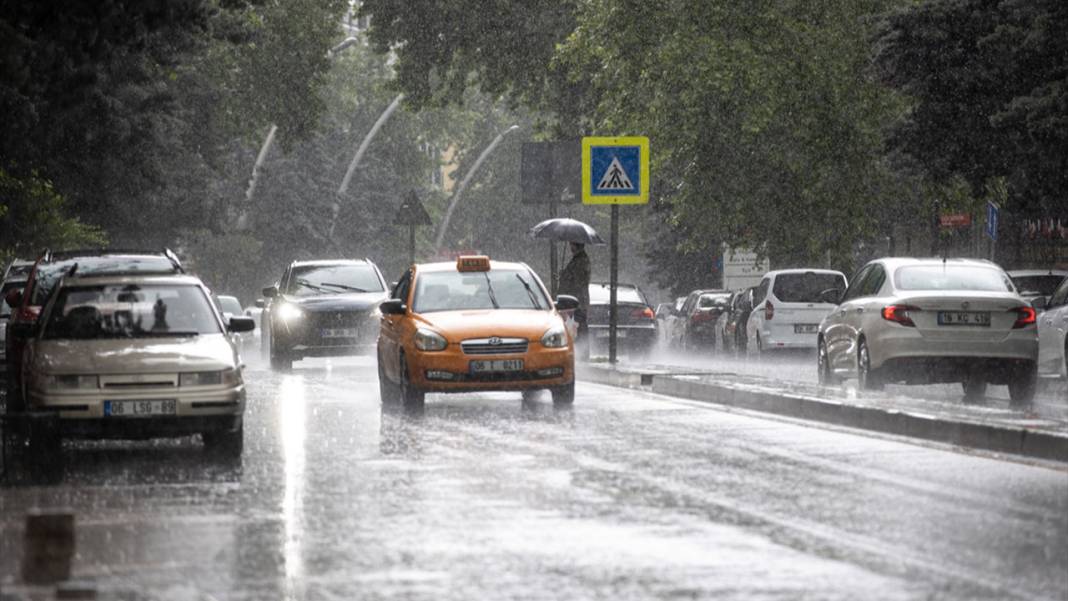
point(615, 170)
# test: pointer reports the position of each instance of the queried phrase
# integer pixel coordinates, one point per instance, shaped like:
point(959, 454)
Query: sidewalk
point(1040, 432)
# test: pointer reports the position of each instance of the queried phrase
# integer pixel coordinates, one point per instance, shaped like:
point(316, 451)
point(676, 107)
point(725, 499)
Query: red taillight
point(900, 314)
point(1025, 317)
point(769, 311)
point(701, 316)
point(645, 313)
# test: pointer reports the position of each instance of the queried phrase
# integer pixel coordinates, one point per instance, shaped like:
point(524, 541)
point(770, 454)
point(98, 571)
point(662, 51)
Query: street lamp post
point(463, 184)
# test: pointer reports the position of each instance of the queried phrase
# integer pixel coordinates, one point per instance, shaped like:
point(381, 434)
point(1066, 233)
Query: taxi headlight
point(555, 337)
point(428, 340)
point(72, 382)
point(289, 312)
point(227, 377)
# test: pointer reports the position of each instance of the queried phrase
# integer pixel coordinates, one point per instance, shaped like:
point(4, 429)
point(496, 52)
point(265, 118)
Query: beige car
point(136, 357)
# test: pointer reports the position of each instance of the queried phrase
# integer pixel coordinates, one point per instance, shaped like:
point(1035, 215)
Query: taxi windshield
point(130, 311)
point(496, 289)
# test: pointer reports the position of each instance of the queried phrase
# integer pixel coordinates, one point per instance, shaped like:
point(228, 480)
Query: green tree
point(32, 217)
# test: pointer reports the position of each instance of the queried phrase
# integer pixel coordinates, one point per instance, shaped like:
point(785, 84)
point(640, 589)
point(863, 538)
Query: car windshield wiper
point(489, 289)
point(308, 284)
point(343, 287)
point(530, 293)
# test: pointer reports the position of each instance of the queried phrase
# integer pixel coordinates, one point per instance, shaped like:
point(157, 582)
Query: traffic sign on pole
point(615, 170)
point(993, 213)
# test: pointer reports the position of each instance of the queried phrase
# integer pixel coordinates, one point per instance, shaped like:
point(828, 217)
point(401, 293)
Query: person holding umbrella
point(575, 278)
point(575, 281)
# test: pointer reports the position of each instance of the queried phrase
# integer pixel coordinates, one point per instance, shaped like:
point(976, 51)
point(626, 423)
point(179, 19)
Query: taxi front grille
point(494, 346)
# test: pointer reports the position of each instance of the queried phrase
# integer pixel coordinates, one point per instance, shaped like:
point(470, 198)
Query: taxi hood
point(206, 352)
point(506, 323)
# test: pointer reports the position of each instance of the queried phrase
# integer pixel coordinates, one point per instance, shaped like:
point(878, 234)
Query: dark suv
point(322, 309)
point(26, 303)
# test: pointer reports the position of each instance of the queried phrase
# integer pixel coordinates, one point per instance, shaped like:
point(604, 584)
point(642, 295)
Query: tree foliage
point(990, 93)
point(34, 218)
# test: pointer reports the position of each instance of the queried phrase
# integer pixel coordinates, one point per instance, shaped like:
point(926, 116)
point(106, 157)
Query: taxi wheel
point(564, 395)
point(411, 395)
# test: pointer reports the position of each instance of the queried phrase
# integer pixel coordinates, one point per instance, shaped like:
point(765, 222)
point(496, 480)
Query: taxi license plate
point(496, 366)
point(140, 408)
point(339, 332)
point(805, 328)
point(964, 318)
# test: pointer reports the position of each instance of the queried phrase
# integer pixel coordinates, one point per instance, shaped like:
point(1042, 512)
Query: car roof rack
point(61, 255)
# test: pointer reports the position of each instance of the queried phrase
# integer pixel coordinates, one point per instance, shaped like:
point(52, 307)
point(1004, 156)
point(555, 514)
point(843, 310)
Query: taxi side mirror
point(393, 306)
point(566, 302)
point(238, 324)
point(13, 298)
point(270, 291)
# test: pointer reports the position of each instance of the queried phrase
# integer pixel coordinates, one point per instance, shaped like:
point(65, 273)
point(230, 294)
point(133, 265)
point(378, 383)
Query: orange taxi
point(474, 325)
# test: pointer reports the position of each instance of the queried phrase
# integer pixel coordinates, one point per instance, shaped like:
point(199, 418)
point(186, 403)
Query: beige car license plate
point(496, 366)
point(964, 318)
point(140, 408)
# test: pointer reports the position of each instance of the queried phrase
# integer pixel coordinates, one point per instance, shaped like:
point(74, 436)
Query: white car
point(1053, 335)
point(922, 321)
point(136, 357)
point(788, 307)
point(1037, 283)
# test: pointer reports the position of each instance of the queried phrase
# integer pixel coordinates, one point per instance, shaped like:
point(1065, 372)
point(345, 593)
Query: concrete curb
point(971, 434)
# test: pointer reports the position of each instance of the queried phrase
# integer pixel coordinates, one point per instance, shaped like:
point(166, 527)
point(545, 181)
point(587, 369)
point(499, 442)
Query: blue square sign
point(615, 170)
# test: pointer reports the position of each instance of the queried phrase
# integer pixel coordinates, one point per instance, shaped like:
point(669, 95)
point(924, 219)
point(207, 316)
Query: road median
point(976, 427)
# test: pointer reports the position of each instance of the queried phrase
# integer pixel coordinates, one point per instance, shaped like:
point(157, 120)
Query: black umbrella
point(566, 230)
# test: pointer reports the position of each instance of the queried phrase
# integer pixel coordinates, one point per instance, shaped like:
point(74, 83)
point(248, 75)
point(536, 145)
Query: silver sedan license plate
point(806, 328)
point(339, 332)
point(964, 318)
point(496, 366)
point(140, 408)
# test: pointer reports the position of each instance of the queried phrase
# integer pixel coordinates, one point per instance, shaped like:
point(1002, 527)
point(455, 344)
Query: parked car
point(1053, 335)
point(730, 328)
point(923, 321)
point(322, 309)
point(46, 272)
point(474, 325)
point(636, 329)
point(135, 356)
point(1037, 283)
point(696, 328)
point(788, 308)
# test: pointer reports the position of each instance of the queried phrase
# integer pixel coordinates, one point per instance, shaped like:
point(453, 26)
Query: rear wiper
point(530, 293)
point(343, 287)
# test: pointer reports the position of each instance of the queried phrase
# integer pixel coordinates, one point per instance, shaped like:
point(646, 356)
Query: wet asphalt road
point(625, 496)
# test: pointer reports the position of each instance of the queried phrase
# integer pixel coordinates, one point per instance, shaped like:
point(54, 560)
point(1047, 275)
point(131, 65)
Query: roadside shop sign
point(615, 170)
point(955, 220)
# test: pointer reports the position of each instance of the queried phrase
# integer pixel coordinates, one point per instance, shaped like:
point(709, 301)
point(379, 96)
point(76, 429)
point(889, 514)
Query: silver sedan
point(921, 321)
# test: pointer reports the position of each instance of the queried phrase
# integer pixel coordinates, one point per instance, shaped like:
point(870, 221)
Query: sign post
point(550, 173)
point(411, 213)
point(615, 171)
point(993, 215)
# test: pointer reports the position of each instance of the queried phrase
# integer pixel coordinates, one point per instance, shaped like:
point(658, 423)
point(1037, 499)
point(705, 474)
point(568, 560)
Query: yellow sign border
point(642, 142)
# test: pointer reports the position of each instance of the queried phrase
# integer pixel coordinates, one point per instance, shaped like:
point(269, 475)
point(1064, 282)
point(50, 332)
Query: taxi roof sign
point(465, 263)
point(615, 170)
